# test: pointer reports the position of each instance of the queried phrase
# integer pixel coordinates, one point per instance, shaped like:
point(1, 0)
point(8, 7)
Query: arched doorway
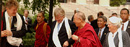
point(96, 1)
point(67, 1)
point(62, 1)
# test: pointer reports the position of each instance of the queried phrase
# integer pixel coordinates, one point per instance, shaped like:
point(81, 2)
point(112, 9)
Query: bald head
point(81, 15)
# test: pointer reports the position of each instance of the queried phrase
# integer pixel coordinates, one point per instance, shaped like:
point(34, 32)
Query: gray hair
point(81, 15)
point(104, 18)
point(59, 11)
point(115, 21)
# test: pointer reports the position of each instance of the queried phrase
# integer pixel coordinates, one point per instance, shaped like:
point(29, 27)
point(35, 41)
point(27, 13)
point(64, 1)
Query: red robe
point(88, 37)
point(41, 41)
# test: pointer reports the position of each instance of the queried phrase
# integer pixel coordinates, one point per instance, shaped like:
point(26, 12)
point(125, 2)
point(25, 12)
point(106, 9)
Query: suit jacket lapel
point(4, 23)
point(116, 40)
point(14, 20)
point(128, 28)
point(104, 34)
point(62, 27)
point(97, 31)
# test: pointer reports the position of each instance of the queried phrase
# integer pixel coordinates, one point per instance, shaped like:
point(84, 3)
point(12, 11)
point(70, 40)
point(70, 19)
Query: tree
point(37, 5)
point(117, 2)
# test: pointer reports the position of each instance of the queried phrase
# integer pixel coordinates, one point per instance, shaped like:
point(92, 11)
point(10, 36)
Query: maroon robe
point(88, 37)
point(41, 40)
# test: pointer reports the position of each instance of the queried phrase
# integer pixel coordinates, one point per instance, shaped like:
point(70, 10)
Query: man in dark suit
point(27, 20)
point(94, 22)
point(61, 29)
point(124, 14)
point(102, 29)
point(13, 28)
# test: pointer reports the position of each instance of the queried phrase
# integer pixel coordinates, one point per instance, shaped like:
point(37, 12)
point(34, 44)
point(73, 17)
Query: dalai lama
point(85, 36)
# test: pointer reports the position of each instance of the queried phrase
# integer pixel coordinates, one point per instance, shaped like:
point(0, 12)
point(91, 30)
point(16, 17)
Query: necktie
point(99, 35)
point(58, 26)
point(122, 27)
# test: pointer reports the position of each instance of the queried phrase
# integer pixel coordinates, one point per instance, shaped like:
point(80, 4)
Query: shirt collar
point(126, 22)
point(102, 28)
point(113, 34)
point(10, 16)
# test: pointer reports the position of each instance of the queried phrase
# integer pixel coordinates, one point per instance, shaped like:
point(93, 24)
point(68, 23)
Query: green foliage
point(117, 2)
point(26, 3)
point(29, 39)
point(34, 18)
point(40, 5)
point(21, 11)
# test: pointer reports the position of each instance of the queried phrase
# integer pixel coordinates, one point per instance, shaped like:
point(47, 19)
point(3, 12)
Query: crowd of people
point(101, 32)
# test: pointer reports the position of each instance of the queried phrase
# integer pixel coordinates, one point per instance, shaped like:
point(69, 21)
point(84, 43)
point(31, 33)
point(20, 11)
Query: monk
point(85, 36)
point(42, 31)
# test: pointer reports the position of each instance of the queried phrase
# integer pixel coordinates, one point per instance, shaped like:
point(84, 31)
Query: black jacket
point(62, 34)
point(106, 30)
point(17, 34)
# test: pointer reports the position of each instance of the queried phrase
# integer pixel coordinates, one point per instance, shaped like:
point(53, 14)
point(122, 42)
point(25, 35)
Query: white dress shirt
point(111, 39)
point(89, 22)
point(125, 25)
point(25, 21)
point(101, 31)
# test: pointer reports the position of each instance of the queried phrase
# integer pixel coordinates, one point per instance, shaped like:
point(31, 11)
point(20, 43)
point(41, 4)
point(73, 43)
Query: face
point(40, 18)
point(124, 15)
point(77, 20)
point(26, 13)
point(101, 23)
point(59, 18)
point(91, 19)
point(12, 11)
point(111, 26)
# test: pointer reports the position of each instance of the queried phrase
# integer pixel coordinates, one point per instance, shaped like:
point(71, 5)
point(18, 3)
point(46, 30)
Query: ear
point(7, 8)
point(80, 19)
point(105, 22)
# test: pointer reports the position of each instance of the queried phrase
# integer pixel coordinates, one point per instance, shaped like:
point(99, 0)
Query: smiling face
point(101, 23)
point(111, 26)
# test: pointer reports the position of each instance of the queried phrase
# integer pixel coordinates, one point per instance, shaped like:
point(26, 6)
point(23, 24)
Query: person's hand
point(26, 23)
point(74, 37)
point(47, 45)
point(66, 43)
point(8, 33)
point(3, 34)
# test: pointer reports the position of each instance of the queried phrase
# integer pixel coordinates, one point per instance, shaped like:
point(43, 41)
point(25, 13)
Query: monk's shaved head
point(81, 15)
